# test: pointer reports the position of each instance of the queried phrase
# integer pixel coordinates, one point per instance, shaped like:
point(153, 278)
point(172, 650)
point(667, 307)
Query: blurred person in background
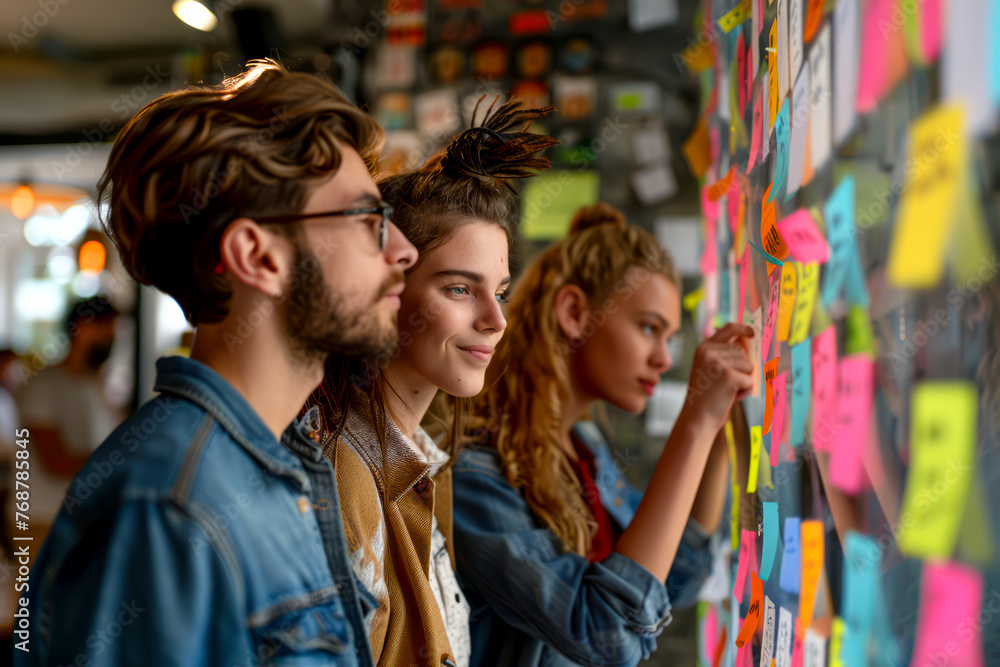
point(65, 411)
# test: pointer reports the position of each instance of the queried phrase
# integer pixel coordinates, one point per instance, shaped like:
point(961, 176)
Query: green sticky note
point(551, 199)
point(943, 452)
point(860, 337)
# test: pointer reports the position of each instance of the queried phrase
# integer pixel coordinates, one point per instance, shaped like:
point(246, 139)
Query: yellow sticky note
point(550, 200)
point(804, 301)
point(731, 445)
point(734, 518)
point(942, 454)
point(812, 564)
point(755, 439)
point(789, 283)
point(764, 478)
point(836, 641)
point(939, 154)
point(735, 16)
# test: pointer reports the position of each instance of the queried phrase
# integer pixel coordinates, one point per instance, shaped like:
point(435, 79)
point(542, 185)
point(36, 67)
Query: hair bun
point(598, 214)
point(500, 148)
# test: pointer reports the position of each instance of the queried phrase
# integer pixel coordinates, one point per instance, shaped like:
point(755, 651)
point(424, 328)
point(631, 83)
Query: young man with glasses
point(206, 529)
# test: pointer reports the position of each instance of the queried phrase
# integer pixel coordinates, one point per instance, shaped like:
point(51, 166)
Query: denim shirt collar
point(608, 473)
point(200, 384)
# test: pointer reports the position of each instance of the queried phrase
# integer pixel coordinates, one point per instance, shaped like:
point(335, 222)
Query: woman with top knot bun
point(563, 562)
point(394, 477)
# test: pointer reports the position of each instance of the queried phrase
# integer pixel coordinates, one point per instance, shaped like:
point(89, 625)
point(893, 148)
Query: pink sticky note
point(744, 655)
point(744, 270)
point(950, 598)
point(708, 261)
point(797, 651)
point(780, 385)
point(771, 319)
point(748, 77)
point(709, 208)
point(873, 70)
point(932, 27)
point(803, 240)
point(741, 72)
point(857, 393)
point(755, 136)
point(748, 561)
point(713, 139)
point(710, 633)
point(824, 382)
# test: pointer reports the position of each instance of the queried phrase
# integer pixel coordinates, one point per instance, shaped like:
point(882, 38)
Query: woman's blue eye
point(504, 297)
point(458, 291)
point(650, 328)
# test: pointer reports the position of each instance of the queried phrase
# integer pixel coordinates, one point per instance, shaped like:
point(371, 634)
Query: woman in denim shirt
point(562, 561)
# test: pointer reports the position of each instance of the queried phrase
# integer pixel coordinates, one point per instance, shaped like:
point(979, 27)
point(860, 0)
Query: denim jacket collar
point(200, 384)
point(607, 474)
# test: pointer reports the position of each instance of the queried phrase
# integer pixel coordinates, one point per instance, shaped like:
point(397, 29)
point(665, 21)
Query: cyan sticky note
point(724, 306)
point(995, 56)
point(838, 213)
point(801, 390)
point(770, 539)
point(860, 584)
point(781, 141)
point(791, 557)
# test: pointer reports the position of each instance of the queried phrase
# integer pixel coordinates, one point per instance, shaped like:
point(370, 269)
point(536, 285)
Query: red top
point(606, 535)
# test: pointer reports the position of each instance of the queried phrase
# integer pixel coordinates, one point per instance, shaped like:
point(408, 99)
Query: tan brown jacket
point(392, 561)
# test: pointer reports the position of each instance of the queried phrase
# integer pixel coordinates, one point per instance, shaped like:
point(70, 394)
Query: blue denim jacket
point(193, 537)
point(532, 604)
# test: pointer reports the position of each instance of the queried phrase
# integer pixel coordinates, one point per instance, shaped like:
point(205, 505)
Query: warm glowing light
point(92, 256)
point(22, 202)
point(195, 14)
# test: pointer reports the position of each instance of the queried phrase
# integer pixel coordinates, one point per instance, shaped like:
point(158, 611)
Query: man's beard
point(320, 322)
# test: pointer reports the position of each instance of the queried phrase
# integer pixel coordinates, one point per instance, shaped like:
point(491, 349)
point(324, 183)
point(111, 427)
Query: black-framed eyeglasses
point(384, 210)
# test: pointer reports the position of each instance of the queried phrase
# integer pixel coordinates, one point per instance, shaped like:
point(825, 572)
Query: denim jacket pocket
point(310, 625)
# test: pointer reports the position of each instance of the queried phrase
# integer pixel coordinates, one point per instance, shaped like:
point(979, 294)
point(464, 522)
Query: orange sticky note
point(752, 620)
point(721, 186)
point(770, 371)
point(698, 149)
point(814, 17)
point(812, 564)
point(772, 74)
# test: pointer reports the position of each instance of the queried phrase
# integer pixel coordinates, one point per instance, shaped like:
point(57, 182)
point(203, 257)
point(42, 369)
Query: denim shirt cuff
point(652, 614)
point(695, 535)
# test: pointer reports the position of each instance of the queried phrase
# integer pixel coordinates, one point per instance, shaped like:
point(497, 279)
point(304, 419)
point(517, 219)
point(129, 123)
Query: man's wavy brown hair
point(468, 181)
point(195, 159)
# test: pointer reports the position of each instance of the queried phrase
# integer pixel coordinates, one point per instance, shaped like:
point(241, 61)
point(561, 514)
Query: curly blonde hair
point(528, 383)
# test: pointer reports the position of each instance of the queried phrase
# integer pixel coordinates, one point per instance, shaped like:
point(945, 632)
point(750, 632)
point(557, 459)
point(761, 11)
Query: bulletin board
point(846, 157)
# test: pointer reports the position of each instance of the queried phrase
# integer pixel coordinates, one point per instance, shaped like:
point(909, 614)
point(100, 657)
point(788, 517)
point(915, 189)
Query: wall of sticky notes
point(847, 155)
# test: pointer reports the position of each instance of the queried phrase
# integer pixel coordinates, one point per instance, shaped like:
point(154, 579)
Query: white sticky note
point(783, 73)
point(765, 147)
point(845, 68)
point(767, 640)
point(814, 650)
point(654, 184)
point(800, 126)
point(965, 70)
point(682, 238)
point(794, 37)
point(650, 145)
point(820, 98)
point(783, 650)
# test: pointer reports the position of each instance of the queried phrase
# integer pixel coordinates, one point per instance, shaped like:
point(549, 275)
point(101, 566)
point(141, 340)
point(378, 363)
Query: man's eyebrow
point(367, 199)
point(469, 275)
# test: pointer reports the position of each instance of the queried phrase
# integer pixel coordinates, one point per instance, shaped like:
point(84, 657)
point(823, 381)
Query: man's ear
point(255, 257)
point(572, 310)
